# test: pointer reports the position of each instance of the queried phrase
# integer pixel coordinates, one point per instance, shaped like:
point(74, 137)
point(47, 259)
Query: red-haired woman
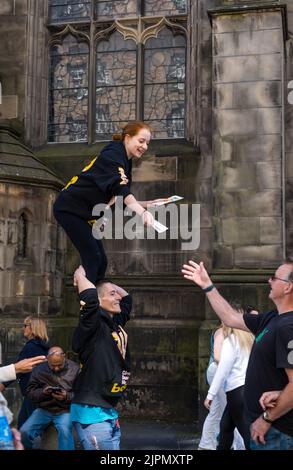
point(107, 176)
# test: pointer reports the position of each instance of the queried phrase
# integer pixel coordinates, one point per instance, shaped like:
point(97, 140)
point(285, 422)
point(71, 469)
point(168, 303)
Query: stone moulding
point(140, 35)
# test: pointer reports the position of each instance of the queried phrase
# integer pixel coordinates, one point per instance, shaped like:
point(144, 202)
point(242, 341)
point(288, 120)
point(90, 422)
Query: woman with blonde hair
point(230, 374)
point(37, 344)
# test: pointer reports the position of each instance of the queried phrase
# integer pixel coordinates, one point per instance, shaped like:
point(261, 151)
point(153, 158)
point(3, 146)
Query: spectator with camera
point(50, 388)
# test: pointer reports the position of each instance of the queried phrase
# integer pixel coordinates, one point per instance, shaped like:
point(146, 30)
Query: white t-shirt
point(232, 367)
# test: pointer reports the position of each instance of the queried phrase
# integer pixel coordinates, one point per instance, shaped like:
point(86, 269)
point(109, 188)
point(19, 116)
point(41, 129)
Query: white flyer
point(160, 228)
point(167, 200)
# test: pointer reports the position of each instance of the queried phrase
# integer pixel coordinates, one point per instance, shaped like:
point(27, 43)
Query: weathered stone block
point(163, 402)
point(9, 107)
point(12, 232)
point(130, 263)
point(3, 231)
point(239, 176)
point(272, 255)
point(166, 369)
point(236, 122)
point(258, 256)
point(224, 148)
point(223, 96)
point(270, 230)
point(155, 340)
point(268, 175)
point(269, 121)
point(247, 204)
point(251, 21)
point(154, 169)
point(260, 147)
point(231, 23)
point(257, 94)
point(223, 257)
point(248, 42)
point(245, 68)
point(193, 305)
point(6, 7)
point(240, 231)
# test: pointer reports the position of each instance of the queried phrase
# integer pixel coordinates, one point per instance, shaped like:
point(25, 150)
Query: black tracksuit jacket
point(105, 176)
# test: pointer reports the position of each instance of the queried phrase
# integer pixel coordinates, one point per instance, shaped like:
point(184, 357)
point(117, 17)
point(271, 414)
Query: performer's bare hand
point(147, 218)
point(79, 272)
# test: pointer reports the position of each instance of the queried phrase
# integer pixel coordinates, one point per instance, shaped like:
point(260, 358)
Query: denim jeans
point(26, 410)
point(275, 440)
point(40, 420)
point(99, 436)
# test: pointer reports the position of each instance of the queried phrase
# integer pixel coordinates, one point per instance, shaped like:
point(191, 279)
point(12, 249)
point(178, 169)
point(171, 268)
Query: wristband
point(209, 288)
point(143, 213)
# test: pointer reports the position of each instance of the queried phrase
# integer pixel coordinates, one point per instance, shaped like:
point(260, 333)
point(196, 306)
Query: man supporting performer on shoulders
point(101, 344)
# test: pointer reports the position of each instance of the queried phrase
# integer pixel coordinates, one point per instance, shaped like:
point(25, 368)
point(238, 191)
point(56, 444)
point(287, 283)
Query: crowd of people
point(250, 374)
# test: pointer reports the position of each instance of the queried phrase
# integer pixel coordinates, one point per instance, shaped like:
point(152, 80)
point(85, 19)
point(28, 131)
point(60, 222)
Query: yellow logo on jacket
point(116, 388)
point(124, 179)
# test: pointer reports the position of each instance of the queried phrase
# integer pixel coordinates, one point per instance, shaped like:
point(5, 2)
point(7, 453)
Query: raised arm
point(80, 280)
point(89, 320)
point(197, 273)
point(120, 290)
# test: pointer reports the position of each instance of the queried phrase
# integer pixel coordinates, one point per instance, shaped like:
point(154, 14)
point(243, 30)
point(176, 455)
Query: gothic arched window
point(115, 61)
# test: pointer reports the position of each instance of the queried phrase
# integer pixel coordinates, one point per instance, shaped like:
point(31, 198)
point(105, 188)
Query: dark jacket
point(41, 376)
point(105, 176)
point(32, 348)
point(104, 372)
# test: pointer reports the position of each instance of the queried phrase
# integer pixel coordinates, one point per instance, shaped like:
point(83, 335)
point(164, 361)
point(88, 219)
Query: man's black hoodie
point(104, 372)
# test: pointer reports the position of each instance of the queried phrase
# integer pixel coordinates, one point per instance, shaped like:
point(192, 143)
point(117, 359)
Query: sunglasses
point(25, 325)
point(274, 278)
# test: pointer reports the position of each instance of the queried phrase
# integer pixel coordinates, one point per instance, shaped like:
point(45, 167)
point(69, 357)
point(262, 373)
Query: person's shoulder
point(114, 150)
point(286, 318)
point(218, 333)
point(72, 364)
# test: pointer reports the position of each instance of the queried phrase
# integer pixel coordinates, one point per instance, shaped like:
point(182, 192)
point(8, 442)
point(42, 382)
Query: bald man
point(102, 345)
point(50, 388)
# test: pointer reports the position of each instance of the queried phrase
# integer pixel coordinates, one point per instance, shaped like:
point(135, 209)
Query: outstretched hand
point(196, 273)
point(27, 365)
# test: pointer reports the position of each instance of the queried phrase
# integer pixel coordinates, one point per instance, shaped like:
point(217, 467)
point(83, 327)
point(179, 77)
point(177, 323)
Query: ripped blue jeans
point(99, 436)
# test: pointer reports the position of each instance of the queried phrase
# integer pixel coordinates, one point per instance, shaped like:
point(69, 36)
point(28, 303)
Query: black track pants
point(92, 253)
point(233, 417)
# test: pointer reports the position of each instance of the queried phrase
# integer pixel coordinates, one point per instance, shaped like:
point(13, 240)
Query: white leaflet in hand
point(167, 200)
point(160, 228)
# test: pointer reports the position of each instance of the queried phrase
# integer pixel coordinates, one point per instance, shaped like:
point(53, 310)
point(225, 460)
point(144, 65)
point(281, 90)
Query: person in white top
point(230, 375)
point(211, 425)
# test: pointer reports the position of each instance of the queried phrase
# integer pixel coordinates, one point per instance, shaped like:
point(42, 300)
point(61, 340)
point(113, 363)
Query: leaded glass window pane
point(164, 85)
point(64, 11)
point(115, 84)
point(165, 7)
point(115, 8)
point(68, 91)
